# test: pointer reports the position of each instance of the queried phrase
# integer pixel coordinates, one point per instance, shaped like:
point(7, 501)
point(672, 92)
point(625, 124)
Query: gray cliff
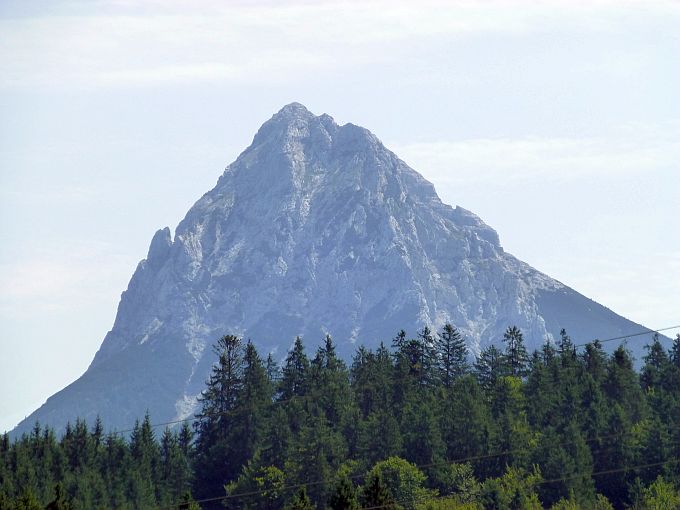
point(316, 228)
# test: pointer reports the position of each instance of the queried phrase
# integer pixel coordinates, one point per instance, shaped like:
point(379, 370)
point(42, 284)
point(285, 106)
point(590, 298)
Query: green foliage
point(513, 491)
point(660, 495)
point(451, 355)
point(489, 367)
point(459, 480)
point(60, 502)
point(374, 493)
point(344, 497)
point(27, 501)
point(515, 356)
point(404, 481)
point(294, 381)
point(565, 430)
point(449, 503)
point(266, 482)
point(599, 503)
point(300, 501)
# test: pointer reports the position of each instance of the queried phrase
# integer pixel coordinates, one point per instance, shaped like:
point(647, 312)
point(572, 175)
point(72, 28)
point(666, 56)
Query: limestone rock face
point(316, 228)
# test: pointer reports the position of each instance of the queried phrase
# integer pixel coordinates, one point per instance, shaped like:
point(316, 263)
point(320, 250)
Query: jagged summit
point(315, 228)
point(294, 109)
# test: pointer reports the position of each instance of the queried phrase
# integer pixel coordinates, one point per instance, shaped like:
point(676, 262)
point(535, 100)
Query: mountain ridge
point(315, 228)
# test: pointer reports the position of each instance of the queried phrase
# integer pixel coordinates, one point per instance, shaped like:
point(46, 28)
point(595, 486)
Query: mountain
point(316, 228)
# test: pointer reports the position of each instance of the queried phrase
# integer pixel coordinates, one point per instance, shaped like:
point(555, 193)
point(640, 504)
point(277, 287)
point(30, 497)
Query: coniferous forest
point(413, 425)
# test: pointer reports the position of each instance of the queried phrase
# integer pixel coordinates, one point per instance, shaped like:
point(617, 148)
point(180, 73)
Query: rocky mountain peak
point(292, 125)
point(316, 228)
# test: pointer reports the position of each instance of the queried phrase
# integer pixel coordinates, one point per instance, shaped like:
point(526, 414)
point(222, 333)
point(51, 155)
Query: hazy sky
point(558, 123)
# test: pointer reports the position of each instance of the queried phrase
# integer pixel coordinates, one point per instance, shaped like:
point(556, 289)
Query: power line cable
point(226, 413)
point(624, 337)
point(542, 482)
point(419, 466)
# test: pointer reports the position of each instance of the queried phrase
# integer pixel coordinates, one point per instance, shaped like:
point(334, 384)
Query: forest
point(418, 424)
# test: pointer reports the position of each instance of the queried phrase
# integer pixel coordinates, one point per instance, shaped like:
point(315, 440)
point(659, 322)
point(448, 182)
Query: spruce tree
point(146, 459)
point(595, 361)
point(516, 357)
point(489, 367)
point(452, 354)
point(249, 426)
point(622, 385)
point(675, 352)
point(330, 387)
point(565, 346)
point(294, 373)
point(214, 446)
point(467, 425)
point(175, 472)
point(655, 360)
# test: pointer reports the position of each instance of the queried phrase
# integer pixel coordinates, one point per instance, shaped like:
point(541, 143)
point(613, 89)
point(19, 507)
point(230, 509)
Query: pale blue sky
point(558, 123)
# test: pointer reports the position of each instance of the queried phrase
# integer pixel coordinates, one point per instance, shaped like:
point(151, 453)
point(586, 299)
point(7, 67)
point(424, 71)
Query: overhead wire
point(304, 397)
point(542, 482)
point(276, 402)
point(631, 335)
point(419, 466)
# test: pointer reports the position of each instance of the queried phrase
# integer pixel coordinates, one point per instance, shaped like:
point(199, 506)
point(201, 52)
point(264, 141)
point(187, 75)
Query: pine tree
point(97, 432)
point(214, 446)
point(595, 361)
point(675, 351)
point(185, 441)
point(294, 373)
point(362, 380)
point(612, 454)
point(421, 433)
point(248, 428)
point(273, 371)
point(516, 357)
point(452, 354)
point(414, 366)
point(622, 385)
point(224, 383)
point(146, 459)
point(427, 358)
point(378, 434)
point(466, 426)
point(565, 346)
point(175, 473)
point(489, 367)
point(565, 458)
point(655, 360)
point(399, 341)
point(541, 391)
point(330, 387)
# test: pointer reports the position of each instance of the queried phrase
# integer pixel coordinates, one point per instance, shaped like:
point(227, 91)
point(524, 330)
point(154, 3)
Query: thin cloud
point(626, 151)
point(119, 43)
